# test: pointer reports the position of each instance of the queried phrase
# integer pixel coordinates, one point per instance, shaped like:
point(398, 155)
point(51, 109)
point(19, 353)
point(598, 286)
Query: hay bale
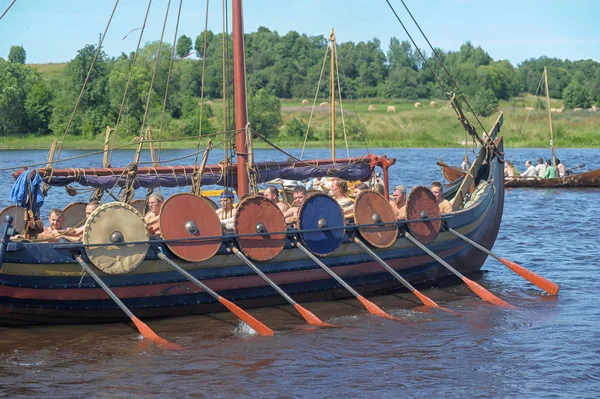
point(324, 104)
point(305, 102)
point(209, 102)
point(418, 105)
point(391, 108)
point(577, 109)
point(372, 108)
point(529, 108)
point(432, 104)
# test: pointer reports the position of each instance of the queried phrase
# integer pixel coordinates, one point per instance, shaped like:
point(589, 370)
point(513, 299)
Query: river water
point(548, 347)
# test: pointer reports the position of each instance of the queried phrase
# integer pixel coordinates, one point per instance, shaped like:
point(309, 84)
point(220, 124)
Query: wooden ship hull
point(589, 179)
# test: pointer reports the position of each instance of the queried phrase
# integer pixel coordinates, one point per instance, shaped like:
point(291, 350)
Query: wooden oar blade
point(533, 278)
point(152, 336)
point(485, 294)
point(310, 317)
point(374, 309)
point(259, 327)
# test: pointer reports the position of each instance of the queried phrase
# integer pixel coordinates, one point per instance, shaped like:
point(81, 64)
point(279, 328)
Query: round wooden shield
point(18, 215)
point(187, 216)
point(74, 215)
point(421, 204)
point(139, 205)
point(321, 213)
point(112, 224)
point(369, 208)
point(211, 202)
point(256, 214)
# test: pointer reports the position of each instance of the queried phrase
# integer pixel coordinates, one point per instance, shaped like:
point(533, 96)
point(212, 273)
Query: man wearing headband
point(152, 218)
point(227, 212)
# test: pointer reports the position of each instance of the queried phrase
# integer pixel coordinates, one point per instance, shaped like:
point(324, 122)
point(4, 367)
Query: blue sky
point(53, 30)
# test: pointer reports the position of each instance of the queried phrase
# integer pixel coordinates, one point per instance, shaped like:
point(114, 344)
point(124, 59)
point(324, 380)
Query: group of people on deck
point(541, 170)
point(338, 190)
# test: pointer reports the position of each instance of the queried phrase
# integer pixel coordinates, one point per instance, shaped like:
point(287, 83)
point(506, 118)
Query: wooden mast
point(239, 93)
point(550, 118)
point(332, 40)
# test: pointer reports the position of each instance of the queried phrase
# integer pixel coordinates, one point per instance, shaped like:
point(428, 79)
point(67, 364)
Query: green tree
point(577, 96)
point(17, 54)
point(484, 102)
point(38, 107)
point(297, 128)
point(15, 82)
point(184, 45)
point(264, 111)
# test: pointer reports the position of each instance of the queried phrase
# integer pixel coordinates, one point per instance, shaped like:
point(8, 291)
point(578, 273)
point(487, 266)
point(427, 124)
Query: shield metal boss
point(190, 218)
point(108, 226)
point(74, 215)
point(323, 214)
point(139, 205)
point(421, 204)
point(18, 214)
point(256, 214)
point(370, 208)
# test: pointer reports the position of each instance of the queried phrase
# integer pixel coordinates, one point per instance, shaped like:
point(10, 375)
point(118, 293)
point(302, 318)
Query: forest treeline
point(288, 66)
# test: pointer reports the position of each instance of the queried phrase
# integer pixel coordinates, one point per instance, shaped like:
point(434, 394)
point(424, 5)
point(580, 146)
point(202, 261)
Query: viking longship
point(195, 266)
point(589, 179)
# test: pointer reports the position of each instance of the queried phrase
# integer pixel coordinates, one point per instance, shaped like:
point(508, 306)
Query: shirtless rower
point(53, 232)
point(437, 189)
point(398, 202)
point(152, 218)
point(291, 215)
point(226, 212)
point(76, 233)
point(272, 193)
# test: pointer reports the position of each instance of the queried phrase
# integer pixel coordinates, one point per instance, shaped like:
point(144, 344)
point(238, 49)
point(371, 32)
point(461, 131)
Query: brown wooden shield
point(421, 204)
point(18, 215)
point(189, 218)
point(111, 224)
point(211, 202)
point(256, 214)
point(139, 205)
point(74, 215)
point(371, 207)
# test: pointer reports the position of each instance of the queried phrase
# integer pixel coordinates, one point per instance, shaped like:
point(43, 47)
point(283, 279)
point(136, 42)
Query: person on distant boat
point(54, 231)
point(530, 171)
point(550, 171)
point(508, 170)
point(272, 193)
point(437, 189)
point(465, 163)
point(398, 202)
point(291, 215)
point(560, 168)
point(152, 218)
point(540, 168)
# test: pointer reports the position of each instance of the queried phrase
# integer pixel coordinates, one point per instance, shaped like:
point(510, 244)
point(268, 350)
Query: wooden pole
point(550, 118)
point(105, 162)
point(332, 40)
point(51, 153)
point(239, 93)
point(152, 152)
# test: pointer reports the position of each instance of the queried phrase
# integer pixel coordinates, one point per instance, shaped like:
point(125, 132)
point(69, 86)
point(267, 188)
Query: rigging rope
point(7, 8)
point(133, 61)
point(202, 80)
point(86, 79)
point(341, 103)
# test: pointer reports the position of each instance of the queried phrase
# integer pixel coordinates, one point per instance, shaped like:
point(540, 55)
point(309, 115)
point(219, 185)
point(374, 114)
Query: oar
point(425, 299)
point(535, 279)
point(141, 326)
point(259, 327)
point(476, 288)
point(370, 306)
point(305, 313)
point(575, 167)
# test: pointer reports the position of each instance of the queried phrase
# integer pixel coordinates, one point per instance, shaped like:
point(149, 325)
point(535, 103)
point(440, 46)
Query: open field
point(407, 127)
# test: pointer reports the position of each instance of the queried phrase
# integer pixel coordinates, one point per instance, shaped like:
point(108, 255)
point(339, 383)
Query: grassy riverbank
point(430, 126)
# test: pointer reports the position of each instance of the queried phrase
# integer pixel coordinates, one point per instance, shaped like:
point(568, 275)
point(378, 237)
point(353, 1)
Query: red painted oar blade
point(151, 335)
point(259, 327)
point(374, 309)
point(310, 317)
point(485, 294)
point(533, 278)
